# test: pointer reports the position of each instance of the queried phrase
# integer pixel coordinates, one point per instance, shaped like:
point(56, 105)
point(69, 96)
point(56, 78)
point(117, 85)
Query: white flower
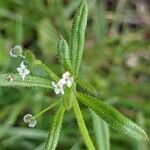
point(23, 71)
point(67, 79)
point(16, 51)
point(58, 88)
point(30, 120)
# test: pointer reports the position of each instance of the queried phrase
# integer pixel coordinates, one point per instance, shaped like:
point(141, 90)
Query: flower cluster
point(15, 52)
point(30, 120)
point(65, 80)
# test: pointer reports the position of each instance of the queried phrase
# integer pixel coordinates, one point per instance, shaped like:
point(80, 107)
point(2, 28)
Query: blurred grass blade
point(48, 38)
point(78, 35)
point(54, 132)
point(141, 145)
point(30, 81)
point(101, 132)
point(121, 7)
point(100, 24)
point(63, 53)
point(11, 118)
point(82, 126)
point(115, 119)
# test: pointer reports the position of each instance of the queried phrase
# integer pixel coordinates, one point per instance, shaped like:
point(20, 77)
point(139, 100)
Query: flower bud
point(16, 51)
point(30, 120)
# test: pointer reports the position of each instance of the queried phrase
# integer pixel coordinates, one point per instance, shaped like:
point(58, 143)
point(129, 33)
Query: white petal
point(19, 69)
point(69, 83)
point(62, 91)
point(11, 53)
point(53, 84)
point(22, 65)
point(23, 77)
point(27, 71)
point(57, 91)
point(61, 82)
point(66, 75)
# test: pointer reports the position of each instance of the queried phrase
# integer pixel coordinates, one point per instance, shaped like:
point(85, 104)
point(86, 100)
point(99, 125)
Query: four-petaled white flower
point(30, 120)
point(58, 88)
point(65, 80)
point(68, 80)
point(23, 71)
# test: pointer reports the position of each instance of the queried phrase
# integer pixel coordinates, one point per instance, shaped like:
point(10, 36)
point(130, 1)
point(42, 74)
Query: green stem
point(48, 108)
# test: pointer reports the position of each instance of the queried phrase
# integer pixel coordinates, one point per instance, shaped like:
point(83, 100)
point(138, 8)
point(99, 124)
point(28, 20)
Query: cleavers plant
point(70, 56)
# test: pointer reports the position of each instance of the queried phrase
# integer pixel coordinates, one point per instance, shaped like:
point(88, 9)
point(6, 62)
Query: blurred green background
point(116, 61)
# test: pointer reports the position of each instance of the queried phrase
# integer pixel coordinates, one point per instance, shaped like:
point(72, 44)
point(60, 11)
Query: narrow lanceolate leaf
point(30, 58)
point(54, 132)
point(51, 74)
point(101, 132)
point(85, 85)
point(78, 35)
point(82, 126)
point(115, 119)
point(63, 53)
point(15, 80)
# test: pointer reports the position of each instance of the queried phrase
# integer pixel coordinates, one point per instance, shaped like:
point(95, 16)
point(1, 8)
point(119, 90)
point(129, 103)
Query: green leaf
point(67, 99)
point(115, 119)
point(63, 53)
point(82, 126)
point(54, 132)
point(101, 132)
point(30, 81)
point(30, 58)
point(78, 35)
point(51, 74)
point(86, 86)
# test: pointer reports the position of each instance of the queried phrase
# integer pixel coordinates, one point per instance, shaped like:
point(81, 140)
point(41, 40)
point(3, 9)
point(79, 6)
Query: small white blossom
point(67, 79)
point(58, 88)
point(30, 120)
point(16, 51)
point(23, 71)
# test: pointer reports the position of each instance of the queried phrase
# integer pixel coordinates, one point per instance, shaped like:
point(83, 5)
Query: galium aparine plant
point(70, 56)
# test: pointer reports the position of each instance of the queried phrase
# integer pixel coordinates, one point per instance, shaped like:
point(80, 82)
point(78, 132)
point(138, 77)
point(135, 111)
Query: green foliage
point(31, 81)
point(105, 66)
point(54, 132)
point(115, 119)
point(82, 126)
point(86, 86)
point(77, 36)
point(101, 132)
point(30, 58)
point(67, 99)
point(63, 54)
